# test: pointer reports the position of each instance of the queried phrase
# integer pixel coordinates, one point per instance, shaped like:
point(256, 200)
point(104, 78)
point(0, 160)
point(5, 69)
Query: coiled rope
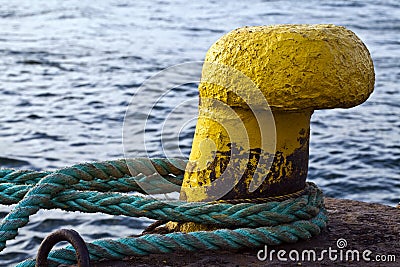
point(104, 187)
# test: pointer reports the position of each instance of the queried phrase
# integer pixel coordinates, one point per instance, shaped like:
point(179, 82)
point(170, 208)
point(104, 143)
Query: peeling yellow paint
point(298, 68)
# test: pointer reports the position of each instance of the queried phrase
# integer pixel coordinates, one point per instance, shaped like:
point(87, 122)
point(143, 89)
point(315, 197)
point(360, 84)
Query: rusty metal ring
point(82, 253)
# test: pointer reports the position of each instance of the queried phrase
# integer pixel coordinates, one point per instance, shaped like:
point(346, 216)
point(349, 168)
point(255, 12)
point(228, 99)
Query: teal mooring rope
point(103, 187)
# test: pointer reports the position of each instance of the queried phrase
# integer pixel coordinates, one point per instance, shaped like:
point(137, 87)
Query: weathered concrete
point(363, 225)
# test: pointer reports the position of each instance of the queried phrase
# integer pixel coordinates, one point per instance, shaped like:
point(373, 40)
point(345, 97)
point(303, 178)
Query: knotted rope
point(104, 187)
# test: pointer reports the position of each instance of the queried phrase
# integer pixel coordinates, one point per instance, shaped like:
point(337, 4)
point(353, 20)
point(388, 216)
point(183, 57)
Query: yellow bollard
point(298, 69)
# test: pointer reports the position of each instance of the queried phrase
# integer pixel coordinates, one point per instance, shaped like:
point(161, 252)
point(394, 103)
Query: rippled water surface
point(69, 69)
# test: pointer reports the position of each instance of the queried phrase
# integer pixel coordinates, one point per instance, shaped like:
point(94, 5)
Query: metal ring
point(81, 250)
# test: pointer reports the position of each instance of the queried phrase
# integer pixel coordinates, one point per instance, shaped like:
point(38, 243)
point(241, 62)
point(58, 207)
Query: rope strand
point(104, 187)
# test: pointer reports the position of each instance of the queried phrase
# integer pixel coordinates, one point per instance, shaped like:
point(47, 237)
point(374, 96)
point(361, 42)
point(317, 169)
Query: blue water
point(69, 69)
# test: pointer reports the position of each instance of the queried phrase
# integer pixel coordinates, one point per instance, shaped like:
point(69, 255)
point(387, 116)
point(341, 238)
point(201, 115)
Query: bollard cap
point(295, 66)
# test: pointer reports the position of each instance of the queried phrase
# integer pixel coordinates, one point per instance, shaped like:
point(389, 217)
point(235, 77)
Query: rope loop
point(107, 187)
